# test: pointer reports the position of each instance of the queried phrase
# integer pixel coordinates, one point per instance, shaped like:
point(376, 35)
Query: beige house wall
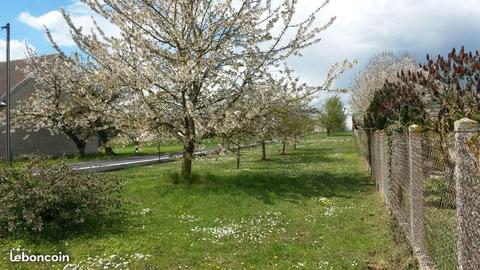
point(41, 142)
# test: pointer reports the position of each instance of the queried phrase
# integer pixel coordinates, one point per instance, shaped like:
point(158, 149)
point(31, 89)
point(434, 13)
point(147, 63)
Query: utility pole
point(8, 154)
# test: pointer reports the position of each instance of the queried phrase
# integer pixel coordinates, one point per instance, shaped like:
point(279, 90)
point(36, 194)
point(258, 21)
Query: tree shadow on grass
point(288, 187)
point(305, 155)
point(311, 155)
point(341, 134)
point(295, 182)
point(295, 158)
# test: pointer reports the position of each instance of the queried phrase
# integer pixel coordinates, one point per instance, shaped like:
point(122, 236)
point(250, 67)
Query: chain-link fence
point(431, 184)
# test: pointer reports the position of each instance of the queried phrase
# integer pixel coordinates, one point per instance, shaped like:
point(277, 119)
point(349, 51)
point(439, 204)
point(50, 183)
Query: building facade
point(24, 142)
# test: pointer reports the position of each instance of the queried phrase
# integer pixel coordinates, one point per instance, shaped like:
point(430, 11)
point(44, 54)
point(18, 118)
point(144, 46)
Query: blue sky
point(363, 28)
point(20, 31)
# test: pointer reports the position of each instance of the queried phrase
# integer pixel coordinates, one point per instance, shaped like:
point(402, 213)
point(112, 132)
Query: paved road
point(117, 164)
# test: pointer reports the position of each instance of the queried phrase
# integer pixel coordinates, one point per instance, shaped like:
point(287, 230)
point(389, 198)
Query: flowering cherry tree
point(190, 62)
point(381, 67)
point(295, 121)
point(64, 100)
point(286, 105)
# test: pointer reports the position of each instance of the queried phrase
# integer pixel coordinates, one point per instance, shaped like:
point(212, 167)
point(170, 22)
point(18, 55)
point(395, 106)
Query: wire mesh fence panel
point(399, 193)
point(376, 157)
point(384, 163)
point(371, 148)
point(361, 138)
point(439, 201)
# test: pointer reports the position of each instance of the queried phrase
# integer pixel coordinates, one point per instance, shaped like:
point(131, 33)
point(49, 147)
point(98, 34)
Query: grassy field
point(314, 208)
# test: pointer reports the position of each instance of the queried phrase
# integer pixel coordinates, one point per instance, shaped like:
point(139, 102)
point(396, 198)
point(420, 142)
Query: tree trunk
point(295, 146)
point(238, 157)
point(188, 151)
point(136, 143)
point(328, 131)
point(188, 147)
point(79, 143)
point(283, 148)
point(103, 136)
point(264, 151)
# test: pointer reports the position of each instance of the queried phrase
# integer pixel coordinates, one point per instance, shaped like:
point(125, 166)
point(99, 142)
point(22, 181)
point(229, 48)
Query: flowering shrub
point(38, 195)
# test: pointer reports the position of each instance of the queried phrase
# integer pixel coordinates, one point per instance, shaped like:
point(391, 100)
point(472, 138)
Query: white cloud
point(52, 20)
point(17, 49)
point(367, 27)
point(81, 16)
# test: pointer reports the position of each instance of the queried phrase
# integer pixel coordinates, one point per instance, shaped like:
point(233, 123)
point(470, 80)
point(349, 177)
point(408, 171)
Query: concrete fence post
point(416, 183)
point(468, 194)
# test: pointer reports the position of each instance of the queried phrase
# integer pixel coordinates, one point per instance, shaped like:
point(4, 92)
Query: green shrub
point(37, 195)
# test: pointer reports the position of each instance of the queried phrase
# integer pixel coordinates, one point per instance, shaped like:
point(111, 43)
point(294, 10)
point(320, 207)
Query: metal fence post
point(468, 194)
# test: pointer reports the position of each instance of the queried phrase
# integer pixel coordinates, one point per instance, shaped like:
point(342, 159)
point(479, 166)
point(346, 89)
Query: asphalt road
point(117, 164)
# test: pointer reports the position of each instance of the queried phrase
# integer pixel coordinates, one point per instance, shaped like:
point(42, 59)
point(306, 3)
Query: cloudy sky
point(362, 29)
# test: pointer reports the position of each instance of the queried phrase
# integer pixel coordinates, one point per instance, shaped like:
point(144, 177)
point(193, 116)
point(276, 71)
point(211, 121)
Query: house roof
point(16, 72)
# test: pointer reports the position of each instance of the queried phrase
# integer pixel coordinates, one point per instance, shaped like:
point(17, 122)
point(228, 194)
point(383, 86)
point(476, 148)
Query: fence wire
point(399, 184)
point(431, 184)
point(439, 201)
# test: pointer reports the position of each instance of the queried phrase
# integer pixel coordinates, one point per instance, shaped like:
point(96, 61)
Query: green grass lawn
point(314, 208)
